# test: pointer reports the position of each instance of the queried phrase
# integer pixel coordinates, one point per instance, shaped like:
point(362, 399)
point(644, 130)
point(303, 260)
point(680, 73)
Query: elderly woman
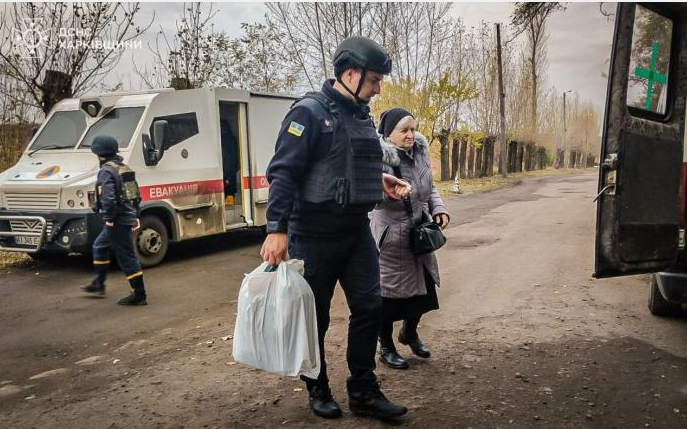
point(408, 281)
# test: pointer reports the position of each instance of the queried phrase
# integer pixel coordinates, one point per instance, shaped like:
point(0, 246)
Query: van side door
point(638, 207)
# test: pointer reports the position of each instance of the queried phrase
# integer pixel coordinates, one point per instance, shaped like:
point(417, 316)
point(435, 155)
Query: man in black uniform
point(325, 176)
point(117, 198)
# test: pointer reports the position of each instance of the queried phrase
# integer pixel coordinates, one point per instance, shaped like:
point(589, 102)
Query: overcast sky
point(579, 38)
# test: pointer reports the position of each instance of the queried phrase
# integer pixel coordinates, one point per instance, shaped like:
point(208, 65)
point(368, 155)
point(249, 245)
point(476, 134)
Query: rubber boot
point(138, 294)
point(97, 286)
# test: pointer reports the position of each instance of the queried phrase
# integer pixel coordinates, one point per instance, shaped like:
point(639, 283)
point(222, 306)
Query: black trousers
point(119, 238)
point(351, 259)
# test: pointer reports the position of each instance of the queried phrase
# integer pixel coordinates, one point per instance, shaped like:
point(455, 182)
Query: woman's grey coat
point(401, 270)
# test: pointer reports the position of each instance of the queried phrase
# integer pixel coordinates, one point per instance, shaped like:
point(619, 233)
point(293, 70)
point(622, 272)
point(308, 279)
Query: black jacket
point(121, 213)
point(288, 167)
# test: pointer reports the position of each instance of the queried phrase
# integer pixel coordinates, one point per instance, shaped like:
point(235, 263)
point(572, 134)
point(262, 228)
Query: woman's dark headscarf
point(390, 118)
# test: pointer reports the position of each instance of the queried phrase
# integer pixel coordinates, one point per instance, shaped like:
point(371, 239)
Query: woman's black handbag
point(426, 236)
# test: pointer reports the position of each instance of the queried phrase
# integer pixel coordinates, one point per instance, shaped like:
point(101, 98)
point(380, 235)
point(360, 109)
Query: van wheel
point(152, 241)
point(658, 306)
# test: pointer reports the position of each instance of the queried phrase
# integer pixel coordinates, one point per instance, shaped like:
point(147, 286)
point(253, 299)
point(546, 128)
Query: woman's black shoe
point(418, 348)
point(392, 359)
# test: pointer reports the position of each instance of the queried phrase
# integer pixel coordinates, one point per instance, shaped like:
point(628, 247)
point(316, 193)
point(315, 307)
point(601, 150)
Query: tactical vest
point(127, 187)
point(351, 173)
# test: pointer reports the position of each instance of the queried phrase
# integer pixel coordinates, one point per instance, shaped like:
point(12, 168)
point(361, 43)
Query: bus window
point(649, 62)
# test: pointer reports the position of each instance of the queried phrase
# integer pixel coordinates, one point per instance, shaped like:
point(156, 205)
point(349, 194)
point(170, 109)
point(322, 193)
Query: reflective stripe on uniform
point(140, 273)
point(100, 262)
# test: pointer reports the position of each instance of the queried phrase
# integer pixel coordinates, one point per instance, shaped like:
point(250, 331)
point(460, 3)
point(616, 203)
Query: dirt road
point(525, 337)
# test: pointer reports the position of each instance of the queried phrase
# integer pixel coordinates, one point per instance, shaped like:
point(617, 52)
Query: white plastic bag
point(276, 325)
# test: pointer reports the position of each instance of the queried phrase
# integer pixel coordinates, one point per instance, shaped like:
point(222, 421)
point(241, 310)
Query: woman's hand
point(442, 220)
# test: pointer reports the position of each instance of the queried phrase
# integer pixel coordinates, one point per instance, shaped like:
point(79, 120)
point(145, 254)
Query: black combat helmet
point(104, 146)
point(363, 53)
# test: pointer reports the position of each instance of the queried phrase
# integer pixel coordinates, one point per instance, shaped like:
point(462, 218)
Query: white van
point(200, 157)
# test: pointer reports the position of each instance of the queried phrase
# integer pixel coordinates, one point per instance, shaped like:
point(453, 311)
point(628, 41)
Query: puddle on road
point(463, 242)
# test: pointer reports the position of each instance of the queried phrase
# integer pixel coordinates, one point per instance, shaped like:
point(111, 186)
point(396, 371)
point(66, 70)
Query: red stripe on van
point(259, 182)
point(169, 190)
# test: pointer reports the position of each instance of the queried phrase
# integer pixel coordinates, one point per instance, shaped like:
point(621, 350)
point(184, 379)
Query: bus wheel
point(658, 306)
point(152, 241)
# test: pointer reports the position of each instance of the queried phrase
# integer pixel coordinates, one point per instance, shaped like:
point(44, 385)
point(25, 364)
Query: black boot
point(418, 348)
point(138, 296)
point(322, 402)
point(95, 287)
point(390, 357)
point(373, 403)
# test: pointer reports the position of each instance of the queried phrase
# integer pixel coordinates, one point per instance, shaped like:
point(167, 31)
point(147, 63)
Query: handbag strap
point(407, 204)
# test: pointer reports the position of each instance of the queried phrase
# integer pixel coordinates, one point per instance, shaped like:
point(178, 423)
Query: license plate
point(27, 241)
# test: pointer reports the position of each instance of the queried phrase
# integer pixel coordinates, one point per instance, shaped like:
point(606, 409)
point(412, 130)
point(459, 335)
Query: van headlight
point(79, 193)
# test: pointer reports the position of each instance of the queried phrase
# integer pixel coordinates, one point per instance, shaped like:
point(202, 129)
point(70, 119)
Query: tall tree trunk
point(463, 158)
point(534, 104)
point(479, 161)
point(454, 157)
point(489, 156)
point(471, 161)
point(445, 166)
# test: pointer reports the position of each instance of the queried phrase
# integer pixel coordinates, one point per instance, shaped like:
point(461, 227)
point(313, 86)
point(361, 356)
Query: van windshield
point(119, 123)
point(63, 130)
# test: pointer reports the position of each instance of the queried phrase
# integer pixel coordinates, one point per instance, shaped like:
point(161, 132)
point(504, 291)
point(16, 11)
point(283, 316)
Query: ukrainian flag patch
point(295, 128)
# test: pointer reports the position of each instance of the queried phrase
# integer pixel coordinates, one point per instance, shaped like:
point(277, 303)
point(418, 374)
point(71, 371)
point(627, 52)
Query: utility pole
point(502, 106)
point(565, 129)
point(586, 145)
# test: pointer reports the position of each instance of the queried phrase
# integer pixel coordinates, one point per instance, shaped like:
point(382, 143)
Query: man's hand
point(395, 188)
point(274, 248)
point(138, 225)
point(109, 223)
point(442, 220)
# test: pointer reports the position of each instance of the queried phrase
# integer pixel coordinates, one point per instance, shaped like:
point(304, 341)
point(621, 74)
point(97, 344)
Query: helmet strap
point(356, 94)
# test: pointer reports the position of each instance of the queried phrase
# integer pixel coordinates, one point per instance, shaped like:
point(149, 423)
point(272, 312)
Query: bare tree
point(310, 32)
point(58, 50)
point(256, 61)
point(191, 57)
point(530, 18)
point(17, 119)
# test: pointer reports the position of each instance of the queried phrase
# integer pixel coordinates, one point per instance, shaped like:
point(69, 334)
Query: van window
point(120, 123)
point(63, 129)
point(649, 63)
point(179, 128)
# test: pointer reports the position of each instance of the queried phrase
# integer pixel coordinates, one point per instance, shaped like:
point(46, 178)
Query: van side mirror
point(154, 148)
point(149, 152)
point(159, 130)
